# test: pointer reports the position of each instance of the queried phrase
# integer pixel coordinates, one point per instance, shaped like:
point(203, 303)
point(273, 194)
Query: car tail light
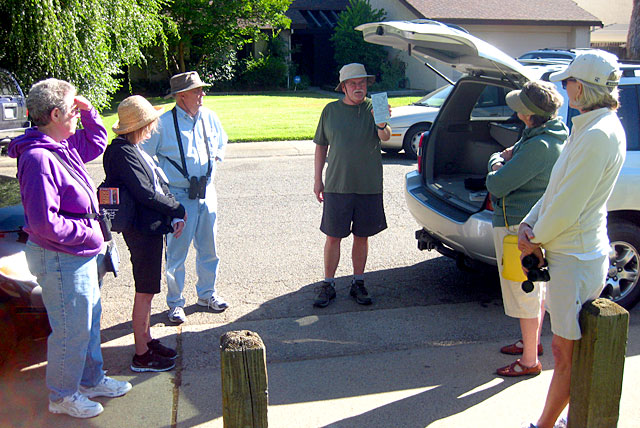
point(487, 203)
point(420, 154)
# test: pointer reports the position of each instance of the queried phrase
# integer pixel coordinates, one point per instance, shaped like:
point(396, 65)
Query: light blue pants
point(201, 228)
point(71, 295)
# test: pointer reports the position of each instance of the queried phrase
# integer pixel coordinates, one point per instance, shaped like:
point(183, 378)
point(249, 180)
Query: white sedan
point(409, 122)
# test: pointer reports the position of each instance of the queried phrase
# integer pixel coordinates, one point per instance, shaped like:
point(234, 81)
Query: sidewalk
point(372, 369)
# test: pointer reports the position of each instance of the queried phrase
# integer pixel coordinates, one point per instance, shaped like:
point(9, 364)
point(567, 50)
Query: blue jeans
point(72, 297)
point(201, 228)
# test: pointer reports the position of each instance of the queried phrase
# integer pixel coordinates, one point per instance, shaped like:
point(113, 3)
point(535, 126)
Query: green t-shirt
point(354, 160)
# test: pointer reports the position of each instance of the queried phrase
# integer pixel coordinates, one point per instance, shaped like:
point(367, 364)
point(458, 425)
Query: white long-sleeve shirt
point(571, 216)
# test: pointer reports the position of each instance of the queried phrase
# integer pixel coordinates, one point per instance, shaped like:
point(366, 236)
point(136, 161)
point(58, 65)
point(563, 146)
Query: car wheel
point(411, 140)
point(622, 278)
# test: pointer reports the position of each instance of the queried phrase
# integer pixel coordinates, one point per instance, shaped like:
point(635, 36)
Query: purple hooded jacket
point(46, 187)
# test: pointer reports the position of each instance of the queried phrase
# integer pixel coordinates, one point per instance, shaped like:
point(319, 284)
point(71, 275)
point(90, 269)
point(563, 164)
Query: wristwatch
point(382, 128)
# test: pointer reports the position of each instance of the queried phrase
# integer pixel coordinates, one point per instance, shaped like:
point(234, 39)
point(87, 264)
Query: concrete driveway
point(423, 355)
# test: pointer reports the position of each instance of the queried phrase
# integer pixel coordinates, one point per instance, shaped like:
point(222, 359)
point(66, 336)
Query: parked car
point(454, 215)
point(22, 311)
point(549, 53)
point(13, 109)
point(409, 122)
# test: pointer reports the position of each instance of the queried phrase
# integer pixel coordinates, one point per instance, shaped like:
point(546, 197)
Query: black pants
point(146, 258)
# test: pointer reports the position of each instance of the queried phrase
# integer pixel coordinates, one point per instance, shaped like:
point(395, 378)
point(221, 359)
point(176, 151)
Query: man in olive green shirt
point(352, 196)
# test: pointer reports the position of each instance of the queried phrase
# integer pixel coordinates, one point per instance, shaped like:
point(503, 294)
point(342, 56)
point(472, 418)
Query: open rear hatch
point(474, 121)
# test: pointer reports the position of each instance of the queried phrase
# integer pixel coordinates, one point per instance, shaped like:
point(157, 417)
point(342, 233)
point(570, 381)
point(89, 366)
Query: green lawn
point(264, 117)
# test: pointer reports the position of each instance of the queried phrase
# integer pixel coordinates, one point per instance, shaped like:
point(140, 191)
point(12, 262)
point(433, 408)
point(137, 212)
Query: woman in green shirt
point(517, 178)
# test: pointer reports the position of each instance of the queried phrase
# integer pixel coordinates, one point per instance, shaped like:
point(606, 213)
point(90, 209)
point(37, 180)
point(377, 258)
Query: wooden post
point(244, 380)
point(598, 365)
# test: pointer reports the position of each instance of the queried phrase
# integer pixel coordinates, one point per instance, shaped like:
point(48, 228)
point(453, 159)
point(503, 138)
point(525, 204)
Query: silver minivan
point(446, 194)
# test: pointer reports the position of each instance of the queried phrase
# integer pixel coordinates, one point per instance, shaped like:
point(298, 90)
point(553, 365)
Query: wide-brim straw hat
point(354, 71)
point(184, 82)
point(133, 113)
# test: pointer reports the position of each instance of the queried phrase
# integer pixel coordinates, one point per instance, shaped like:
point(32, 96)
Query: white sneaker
point(107, 387)
point(176, 315)
point(215, 302)
point(76, 405)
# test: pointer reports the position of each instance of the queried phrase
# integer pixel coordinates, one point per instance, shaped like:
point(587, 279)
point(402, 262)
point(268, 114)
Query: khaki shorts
point(517, 303)
point(573, 283)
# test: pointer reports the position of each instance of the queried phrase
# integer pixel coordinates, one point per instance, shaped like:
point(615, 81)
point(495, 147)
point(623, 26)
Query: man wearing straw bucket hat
point(189, 142)
point(352, 194)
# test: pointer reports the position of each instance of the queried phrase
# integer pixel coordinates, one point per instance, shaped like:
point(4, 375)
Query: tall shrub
point(348, 43)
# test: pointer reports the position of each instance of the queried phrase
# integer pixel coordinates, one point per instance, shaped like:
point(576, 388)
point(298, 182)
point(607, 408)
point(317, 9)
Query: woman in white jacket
point(570, 219)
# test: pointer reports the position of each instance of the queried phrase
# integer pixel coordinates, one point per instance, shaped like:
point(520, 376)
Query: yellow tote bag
point(511, 265)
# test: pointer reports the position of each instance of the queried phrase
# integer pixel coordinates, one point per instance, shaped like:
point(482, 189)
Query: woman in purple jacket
point(64, 241)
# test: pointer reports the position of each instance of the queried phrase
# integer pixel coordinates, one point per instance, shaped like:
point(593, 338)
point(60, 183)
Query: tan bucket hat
point(185, 81)
point(354, 71)
point(133, 113)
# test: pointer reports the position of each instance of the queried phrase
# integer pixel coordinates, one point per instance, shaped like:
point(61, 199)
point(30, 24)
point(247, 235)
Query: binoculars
point(534, 273)
point(197, 187)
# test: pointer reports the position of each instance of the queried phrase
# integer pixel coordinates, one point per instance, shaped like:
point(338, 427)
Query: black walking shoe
point(151, 362)
point(160, 349)
point(326, 292)
point(359, 293)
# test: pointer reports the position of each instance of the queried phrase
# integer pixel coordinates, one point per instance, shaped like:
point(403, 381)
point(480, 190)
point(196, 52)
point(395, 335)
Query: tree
point(349, 44)
point(86, 42)
point(633, 37)
point(210, 32)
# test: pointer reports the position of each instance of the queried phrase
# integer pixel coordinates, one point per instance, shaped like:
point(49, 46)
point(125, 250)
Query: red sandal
point(515, 349)
point(516, 369)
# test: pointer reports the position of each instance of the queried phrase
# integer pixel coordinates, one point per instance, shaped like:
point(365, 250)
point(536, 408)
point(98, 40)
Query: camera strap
point(83, 184)
point(183, 168)
point(504, 211)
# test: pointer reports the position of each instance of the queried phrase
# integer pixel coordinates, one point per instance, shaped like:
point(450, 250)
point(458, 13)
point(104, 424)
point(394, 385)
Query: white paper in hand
point(380, 107)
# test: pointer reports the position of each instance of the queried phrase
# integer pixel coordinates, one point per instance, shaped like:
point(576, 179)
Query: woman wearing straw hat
point(127, 166)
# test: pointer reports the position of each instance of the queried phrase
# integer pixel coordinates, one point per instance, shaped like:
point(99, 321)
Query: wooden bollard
point(598, 365)
point(244, 380)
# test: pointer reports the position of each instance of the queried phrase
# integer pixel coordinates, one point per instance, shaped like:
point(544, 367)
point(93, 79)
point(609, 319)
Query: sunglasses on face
point(565, 81)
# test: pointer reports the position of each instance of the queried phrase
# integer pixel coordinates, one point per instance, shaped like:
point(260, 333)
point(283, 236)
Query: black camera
point(198, 187)
point(534, 273)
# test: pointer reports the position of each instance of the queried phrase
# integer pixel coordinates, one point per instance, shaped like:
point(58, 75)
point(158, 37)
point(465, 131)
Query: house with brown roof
point(312, 24)
point(515, 27)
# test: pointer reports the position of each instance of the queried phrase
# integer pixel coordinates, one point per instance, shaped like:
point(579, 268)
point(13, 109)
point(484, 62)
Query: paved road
point(422, 355)
point(271, 248)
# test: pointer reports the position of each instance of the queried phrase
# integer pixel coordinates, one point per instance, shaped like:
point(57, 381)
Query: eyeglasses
point(568, 79)
point(356, 83)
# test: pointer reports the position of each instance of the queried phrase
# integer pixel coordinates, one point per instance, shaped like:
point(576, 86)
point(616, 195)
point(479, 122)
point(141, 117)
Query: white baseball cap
point(595, 66)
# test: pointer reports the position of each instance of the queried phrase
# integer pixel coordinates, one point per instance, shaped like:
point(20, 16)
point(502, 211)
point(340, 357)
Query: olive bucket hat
point(184, 82)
